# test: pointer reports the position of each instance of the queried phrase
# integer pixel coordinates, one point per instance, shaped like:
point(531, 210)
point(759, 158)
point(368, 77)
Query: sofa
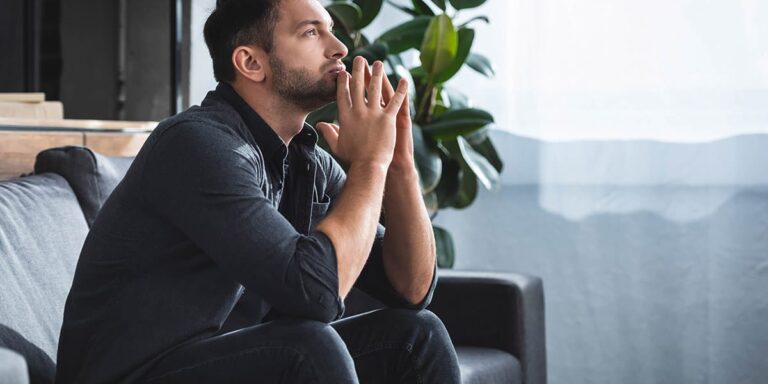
point(496, 320)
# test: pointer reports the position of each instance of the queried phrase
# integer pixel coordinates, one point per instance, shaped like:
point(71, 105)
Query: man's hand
point(366, 132)
point(402, 159)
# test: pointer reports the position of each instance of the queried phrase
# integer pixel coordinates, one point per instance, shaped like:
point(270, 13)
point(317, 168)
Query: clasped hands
point(374, 119)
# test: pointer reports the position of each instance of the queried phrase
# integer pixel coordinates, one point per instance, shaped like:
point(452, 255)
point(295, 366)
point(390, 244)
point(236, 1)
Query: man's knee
point(424, 318)
point(321, 346)
point(424, 323)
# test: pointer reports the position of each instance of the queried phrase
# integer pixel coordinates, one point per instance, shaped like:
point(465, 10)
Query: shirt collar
point(265, 136)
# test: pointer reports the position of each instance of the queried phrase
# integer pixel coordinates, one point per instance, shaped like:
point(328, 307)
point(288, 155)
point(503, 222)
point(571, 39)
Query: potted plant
point(452, 149)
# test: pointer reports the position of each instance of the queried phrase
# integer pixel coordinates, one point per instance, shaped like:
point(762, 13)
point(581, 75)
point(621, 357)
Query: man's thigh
point(281, 351)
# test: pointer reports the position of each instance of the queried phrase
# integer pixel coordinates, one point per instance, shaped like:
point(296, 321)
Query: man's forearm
point(351, 225)
point(409, 243)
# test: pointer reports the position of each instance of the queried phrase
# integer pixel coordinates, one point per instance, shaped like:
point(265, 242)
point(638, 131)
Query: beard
point(300, 88)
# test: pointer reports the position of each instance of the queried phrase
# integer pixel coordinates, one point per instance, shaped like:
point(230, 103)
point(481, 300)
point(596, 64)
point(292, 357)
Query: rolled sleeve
point(373, 279)
point(208, 184)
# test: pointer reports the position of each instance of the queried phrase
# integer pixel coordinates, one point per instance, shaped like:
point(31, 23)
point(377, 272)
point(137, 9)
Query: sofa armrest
point(13, 368)
point(495, 310)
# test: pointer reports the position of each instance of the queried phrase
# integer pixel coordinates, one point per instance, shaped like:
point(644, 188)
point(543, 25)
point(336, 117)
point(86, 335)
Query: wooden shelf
point(23, 124)
point(22, 139)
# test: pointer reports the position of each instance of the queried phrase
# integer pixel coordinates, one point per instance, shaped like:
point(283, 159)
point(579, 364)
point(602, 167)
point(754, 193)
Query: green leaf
point(418, 72)
point(466, 36)
point(375, 51)
point(369, 10)
point(457, 122)
point(406, 35)
point(441, 42)
point(482, 18)
point(481, 64)
point(485, 172)
point(430, 201)
point(401, 72)
point(488, 150)
point(403, 8)
point(440, 4)
point(422, 8)
point(348, 15)
point(468, 189)
point(448, 188)
point(427, 161)
point(466, 113)
point(465, 4)
point(467, 179)
point(446, 253)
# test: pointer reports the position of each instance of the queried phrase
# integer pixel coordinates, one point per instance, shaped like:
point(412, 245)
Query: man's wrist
point(372, 167)
point(402, 174)
point(402, 169)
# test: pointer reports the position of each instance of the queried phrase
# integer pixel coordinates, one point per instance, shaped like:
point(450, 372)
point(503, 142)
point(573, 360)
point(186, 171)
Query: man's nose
point(338, 50)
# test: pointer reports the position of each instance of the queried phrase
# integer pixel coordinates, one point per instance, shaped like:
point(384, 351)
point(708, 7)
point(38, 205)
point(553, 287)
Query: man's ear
point(249, 62)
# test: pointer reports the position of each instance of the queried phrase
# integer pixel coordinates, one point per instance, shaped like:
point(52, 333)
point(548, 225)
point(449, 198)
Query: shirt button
point(308, 167)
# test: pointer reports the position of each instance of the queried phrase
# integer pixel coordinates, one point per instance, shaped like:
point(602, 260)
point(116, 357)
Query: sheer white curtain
point(679, 70)
point(635, 138)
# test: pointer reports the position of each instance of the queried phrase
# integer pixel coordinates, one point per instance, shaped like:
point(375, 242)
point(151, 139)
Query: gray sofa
point(496, 320)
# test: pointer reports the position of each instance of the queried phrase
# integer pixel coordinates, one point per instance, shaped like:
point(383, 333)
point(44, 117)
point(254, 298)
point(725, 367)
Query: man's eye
point(311, 32)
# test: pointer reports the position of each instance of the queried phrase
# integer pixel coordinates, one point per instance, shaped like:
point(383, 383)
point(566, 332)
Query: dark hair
point(234, 23)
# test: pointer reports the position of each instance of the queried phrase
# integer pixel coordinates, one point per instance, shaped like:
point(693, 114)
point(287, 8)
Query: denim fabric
point(214, 209)
point(379, 347)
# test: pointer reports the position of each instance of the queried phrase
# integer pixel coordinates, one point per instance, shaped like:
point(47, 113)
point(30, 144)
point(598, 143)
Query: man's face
point(306, 56)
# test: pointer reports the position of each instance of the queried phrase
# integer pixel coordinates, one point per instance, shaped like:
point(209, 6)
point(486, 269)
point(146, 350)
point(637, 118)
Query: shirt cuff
point(328, 255)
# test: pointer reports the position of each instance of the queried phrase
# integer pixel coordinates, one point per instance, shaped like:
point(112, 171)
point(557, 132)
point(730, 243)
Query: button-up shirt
point(215, 212)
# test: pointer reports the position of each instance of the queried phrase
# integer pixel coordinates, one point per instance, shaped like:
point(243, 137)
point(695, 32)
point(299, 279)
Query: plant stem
point(427, 102)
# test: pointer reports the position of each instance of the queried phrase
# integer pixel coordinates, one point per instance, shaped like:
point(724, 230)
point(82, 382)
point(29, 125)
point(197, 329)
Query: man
point(232, 205)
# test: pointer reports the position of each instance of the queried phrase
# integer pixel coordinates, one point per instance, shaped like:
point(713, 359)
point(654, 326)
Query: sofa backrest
point(42, 229)
point(92, 176)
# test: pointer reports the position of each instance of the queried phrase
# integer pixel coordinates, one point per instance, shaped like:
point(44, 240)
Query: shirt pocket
point(319, 210)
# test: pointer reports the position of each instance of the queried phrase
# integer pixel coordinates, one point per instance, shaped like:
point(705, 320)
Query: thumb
point(329, 133)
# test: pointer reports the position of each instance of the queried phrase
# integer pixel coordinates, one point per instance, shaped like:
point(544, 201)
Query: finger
point(357, 83)
point(397, 100)
point(330, 134)
point(405, 108)
point(335, 128)
point(343, 98)
point(374, 88)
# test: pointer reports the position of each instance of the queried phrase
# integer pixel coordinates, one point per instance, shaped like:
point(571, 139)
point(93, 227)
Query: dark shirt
point(215, 211)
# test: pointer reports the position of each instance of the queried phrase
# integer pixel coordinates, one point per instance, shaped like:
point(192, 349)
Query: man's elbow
point(324, 309)
point(418, 299)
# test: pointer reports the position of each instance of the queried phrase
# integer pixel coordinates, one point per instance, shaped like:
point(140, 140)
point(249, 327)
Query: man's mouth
point(337, 68)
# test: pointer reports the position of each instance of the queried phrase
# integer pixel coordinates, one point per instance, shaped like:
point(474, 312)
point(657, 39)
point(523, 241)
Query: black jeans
point(383, 346)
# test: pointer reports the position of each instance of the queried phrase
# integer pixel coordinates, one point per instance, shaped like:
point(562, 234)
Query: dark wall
point(148, 65)
point(89, 38)
point(19, 40)
point(102, 59)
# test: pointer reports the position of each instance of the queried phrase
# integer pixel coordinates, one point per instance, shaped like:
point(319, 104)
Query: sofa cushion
point(92, 176)
point(13, 368)
point(38, 366)
point(488, 366)
point(42, 229)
